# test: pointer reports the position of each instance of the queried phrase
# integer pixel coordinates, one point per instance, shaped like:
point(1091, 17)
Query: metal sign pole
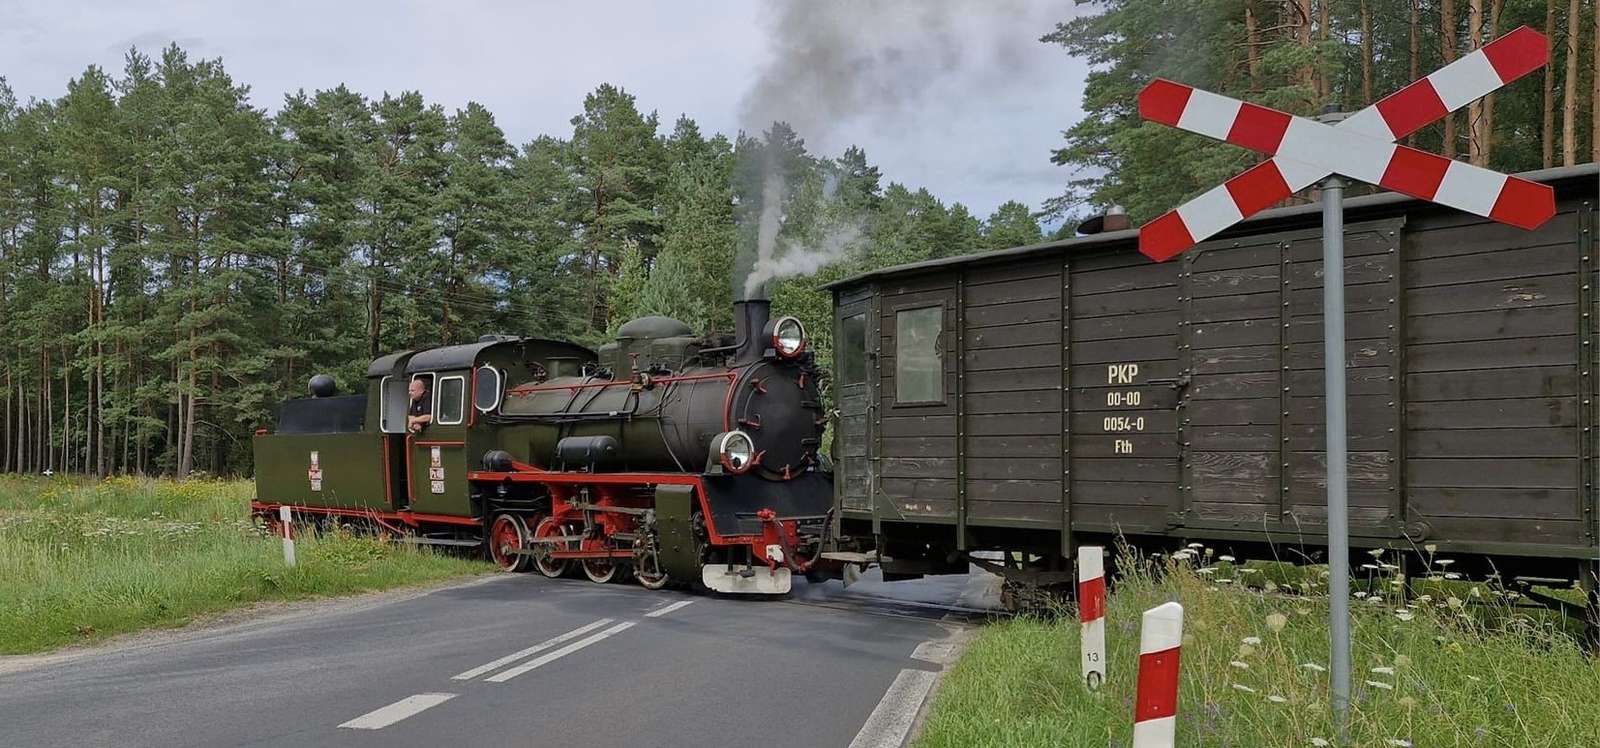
point(1334, 377)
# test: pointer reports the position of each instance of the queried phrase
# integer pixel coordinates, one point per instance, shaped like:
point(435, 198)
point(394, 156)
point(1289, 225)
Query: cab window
point(450, 405)
point(919, 355)
point(486, 389)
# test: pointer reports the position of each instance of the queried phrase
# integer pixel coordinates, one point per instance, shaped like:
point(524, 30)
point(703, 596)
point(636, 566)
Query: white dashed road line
point(891, 720)
point(558, 654)
point(535, 649)
point(659, 612)
point(382, 717)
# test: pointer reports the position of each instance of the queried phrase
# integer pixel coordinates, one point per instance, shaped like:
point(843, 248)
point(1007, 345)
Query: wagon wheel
point(507, 534)
point(600, 570)
point(549, 527)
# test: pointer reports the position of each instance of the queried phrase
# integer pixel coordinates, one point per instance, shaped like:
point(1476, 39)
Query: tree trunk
point(1475, 109)
point(1495, 7)
point(1447, 47)
point(1324, 86)
point(1569, 101)
point(1366, 52)
point(1548, 134)
point(1416, 51)
point(1252, 53)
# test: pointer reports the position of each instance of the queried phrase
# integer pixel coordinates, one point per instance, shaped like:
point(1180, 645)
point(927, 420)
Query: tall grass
point(1427, 672)
point(81, 560)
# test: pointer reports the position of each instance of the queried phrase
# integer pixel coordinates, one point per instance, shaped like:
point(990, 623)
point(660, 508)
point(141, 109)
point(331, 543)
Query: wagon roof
point(1252, 224)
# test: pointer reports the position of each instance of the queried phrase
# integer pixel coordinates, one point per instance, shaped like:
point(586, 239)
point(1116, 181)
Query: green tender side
point(352, 470)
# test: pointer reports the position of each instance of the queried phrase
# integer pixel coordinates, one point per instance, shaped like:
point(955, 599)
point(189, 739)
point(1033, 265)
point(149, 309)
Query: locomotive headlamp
point(788, 337)
point(736, 450)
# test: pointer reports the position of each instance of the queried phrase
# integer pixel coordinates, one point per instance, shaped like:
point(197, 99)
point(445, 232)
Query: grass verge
point(83, 560)
point(1427, 672)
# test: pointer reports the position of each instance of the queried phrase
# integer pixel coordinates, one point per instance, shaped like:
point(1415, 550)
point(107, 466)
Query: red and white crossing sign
point(1361, 147)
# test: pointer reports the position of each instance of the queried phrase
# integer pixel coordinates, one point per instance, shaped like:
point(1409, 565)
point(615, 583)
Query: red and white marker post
point(1362, 147)
point(1092, 613)
point(1155, 710)
point(286, 519)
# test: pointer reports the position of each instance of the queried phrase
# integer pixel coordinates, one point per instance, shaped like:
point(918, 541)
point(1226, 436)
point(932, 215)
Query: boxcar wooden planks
point(1124, 381)
point(1185, 398)
point(1013, 396)
point(1492, 381)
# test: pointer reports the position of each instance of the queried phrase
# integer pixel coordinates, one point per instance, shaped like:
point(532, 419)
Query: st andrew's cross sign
point(1361, 147)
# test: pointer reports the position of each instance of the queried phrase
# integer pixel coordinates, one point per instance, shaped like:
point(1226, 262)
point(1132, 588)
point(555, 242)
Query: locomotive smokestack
point(749, 320)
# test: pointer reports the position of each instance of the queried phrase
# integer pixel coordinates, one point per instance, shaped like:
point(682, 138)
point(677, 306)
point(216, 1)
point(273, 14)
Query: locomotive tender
point(669, 456)
point(1033, 399)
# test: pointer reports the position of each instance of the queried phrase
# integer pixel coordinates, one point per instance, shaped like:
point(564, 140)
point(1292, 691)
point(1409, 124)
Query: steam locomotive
point(667, 456)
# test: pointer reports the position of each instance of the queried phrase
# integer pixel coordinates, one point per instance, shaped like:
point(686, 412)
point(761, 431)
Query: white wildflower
point(1431, 548)
point(1398, 743)
point(1380, 684)
point(1244, 688)
point(1375, 553)
point(1314, 667)
point(1240, 664)
point(1320, 742)
point(1276, 621)
point(1404, 615)
point(1361, 594)
point(1197, 545)
point(1253, 641)
point(1225, 557)
point(1445, 561)
point(1451, 575)
point(1276, 699)
point(1383, 670)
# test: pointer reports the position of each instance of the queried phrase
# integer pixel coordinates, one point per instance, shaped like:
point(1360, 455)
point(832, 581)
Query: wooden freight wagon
point(1034, 398)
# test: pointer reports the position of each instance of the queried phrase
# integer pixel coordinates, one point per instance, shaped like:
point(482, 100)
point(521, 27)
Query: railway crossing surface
point(513, 660)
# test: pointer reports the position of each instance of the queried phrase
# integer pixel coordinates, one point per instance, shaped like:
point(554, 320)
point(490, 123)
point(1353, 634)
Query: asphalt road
point(517, 660)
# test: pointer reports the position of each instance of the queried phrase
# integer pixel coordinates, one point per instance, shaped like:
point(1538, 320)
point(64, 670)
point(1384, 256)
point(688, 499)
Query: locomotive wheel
point(550, 567)
point(600, 570)
point(507, 533)
point(648, 571)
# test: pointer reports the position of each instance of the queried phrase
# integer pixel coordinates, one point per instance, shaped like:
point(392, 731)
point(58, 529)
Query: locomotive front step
point(746, 580)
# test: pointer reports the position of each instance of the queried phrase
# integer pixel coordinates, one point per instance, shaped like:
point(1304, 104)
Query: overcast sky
point(960, 97)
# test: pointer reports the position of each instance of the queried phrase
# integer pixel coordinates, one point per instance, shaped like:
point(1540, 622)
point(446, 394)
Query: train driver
point(420, 412)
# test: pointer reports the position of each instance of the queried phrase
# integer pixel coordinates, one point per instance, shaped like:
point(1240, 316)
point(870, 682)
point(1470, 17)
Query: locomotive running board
point(761, 581)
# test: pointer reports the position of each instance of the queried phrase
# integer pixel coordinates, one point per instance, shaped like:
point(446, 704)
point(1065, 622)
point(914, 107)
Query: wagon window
point(853, 349)
point(451, 405)
point(486, 389)
point(919, 355)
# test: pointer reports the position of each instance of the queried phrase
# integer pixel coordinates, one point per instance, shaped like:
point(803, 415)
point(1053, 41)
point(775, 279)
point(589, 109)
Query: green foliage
point(84, 560)
point(175, 261)
point(1428, 671)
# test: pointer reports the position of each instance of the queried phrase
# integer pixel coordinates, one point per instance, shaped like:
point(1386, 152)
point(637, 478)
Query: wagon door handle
point(1176, 383)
